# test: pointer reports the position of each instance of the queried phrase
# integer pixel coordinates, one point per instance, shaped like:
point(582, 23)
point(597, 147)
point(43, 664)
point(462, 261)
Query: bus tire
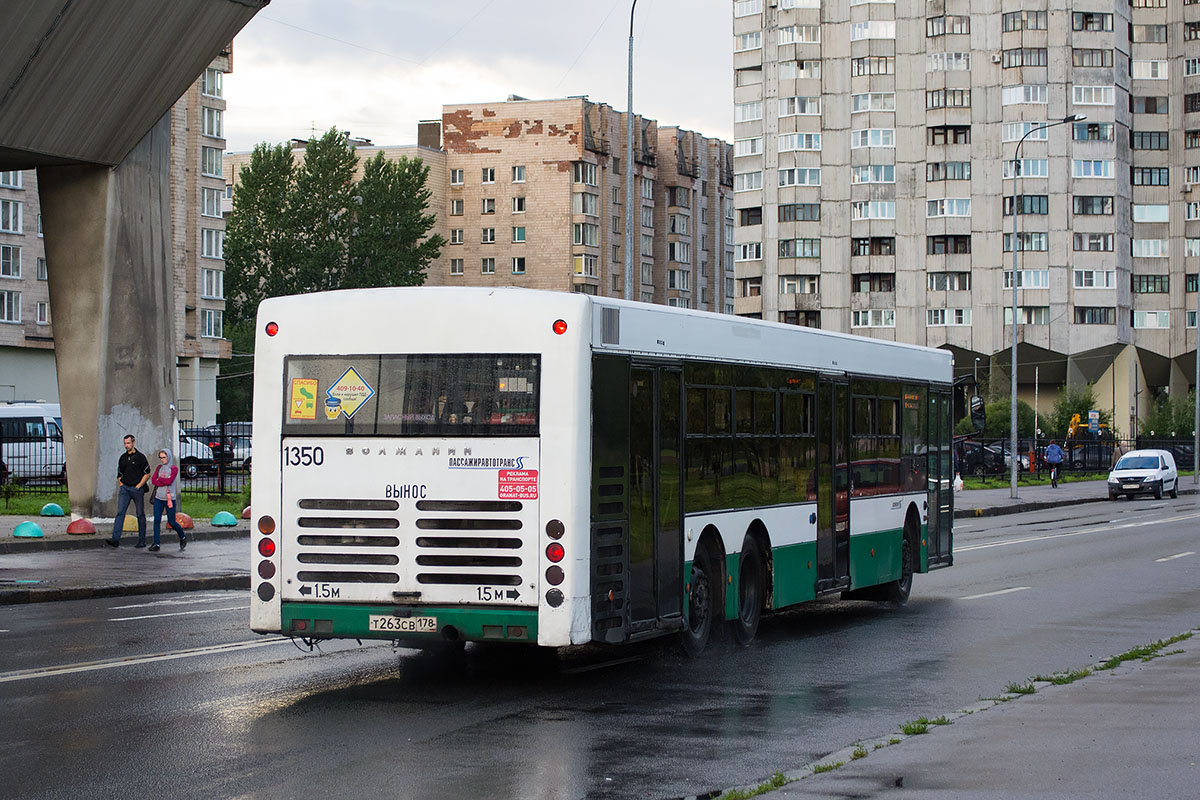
point(898, 590)
point(752, 581)
point(703, 612)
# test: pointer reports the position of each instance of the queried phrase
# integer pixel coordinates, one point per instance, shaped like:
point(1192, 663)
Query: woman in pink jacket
point(165, 480)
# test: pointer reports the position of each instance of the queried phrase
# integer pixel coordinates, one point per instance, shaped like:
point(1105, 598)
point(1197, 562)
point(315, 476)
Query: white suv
point(1144, 472)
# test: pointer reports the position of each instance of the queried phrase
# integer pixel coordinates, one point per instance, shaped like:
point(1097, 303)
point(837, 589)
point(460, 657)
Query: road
point(213, 711)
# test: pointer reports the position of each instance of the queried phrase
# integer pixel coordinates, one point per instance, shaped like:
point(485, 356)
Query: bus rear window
point(411, 395)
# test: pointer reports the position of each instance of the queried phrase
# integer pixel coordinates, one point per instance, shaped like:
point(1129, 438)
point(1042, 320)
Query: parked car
point(1144, 472)
point(195, 456)
point(976, 458)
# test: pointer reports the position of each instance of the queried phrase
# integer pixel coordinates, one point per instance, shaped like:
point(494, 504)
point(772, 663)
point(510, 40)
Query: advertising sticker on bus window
point(518, 484)
point(304, 399)
point(347, 395)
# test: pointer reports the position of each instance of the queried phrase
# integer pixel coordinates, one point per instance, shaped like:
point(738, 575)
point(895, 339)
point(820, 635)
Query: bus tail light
point(554, 575)
point(266, 525)
point(560, 326)
point(555, 552)
point(272, 328)
point(266, 548)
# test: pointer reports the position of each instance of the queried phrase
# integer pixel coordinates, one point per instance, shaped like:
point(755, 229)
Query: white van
point(31, 443)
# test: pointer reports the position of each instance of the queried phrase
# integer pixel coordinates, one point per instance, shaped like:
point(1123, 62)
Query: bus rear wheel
point(898, 590)
point(702, 606)
point(751, 589)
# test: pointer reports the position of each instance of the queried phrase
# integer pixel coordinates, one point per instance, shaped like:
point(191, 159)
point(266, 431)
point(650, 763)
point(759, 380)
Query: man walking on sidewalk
point(132, 473)
point(1054, 457)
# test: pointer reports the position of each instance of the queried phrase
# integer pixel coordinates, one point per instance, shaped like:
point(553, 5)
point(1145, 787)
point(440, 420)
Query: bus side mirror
point(978, 420)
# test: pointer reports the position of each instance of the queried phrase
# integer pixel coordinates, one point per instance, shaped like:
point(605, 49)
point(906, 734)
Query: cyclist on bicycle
point(1054, 457)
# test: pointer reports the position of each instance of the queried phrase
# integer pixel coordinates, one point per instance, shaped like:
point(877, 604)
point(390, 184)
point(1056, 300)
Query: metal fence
point(213, 460)
point(982, 457)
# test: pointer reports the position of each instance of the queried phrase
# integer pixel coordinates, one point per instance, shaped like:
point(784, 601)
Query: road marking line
point(1072, 533)
point(994, 594)
point(1177, 555)
point(178, 613)
point(213, 598)
point(88, 666)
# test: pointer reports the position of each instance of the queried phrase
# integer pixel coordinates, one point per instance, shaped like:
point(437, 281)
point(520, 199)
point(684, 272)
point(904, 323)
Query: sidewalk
point(992, 502)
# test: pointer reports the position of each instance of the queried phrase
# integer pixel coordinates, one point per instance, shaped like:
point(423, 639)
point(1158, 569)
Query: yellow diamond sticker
point(347, 395)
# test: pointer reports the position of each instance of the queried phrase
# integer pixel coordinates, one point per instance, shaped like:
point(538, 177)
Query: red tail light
point(266, 548)
point(555, 552)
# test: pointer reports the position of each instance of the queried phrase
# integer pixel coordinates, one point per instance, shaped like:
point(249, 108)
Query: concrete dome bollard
point(184, 520)
point(28, 530)
point(80, 527)
point(223, 519)
point(246, 512)
point(52, 510)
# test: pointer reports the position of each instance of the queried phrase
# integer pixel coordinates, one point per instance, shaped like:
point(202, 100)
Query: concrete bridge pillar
point(108, 247)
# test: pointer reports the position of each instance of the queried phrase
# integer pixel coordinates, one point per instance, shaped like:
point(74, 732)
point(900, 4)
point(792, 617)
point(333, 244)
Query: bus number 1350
point(303, 456)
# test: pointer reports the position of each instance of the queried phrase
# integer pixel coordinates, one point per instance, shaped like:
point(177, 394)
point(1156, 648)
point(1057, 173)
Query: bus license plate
point(379, 622)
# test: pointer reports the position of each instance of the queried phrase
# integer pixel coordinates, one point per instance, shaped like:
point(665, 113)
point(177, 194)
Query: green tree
point(1074, 400)
point(321, 212)
point(235, 384)
point(1169, 417)
point(260, 242)
point(389, 245)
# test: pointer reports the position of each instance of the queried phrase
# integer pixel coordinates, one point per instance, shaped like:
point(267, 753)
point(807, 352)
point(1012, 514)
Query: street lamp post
point(629, 167)
point(1013, 394)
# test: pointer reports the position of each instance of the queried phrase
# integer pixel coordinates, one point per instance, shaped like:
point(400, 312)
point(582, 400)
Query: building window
point(585, 264)
point(1090, 21)
point(586, 203)
point(518, 205)
point(1092, 242)
point(1149, 176)
point(948, 245)
point(1150, 248)
point(212, 244)
point(1028, 315)
point(873, 246)
point(1015, 131)
point(744, 8)
point(789, 142)
point(1025, 21)
point(747, 181)
point(518, 173)
point(1095, 315)
point(948, 207)
point(10, 261)
point(585, 233)
point(212, 284)
point(10, 306)
point(584, 172)
point(873, 282)
point(799, 248)
point(42, 273)
point(873, 65)
point(456, 266)
point(1091, 168)
point(799, 284)
point(1092, 95)
point(749, 251)
point(487, 236)
point(518, 265)
point(1147, 212)
point(751, 287)
point(680, 252)
point(1032, 241)
point(873, 209)
point(1149, 70)
point(948, 134)
point(487, 205)
point(948, 98)
point(800, 106)
point(1148, 105)
point(210, 161)
point(1091, 57)
point(1027, 204)
point(456, 207)
point(211, 323)
point(647, 217)
point(1092, 205)
point(940, 26)
point(10, 216)
point(747, 112)
point(873, 318)
point(1028, 279)
point(518, 235)
point(872, 101)
point(800, 176)
point(211, 119)
point(1147, 33)
point(43, 313)
point(942, 317)
point(947, 62)
point(487, 266)
point(1024, 57)
point(792, 212)
point(1151, 319)
point(211, 82)
point(873, 29)
point(1150, 284)
point(1191, 102)
point(949, 281)
point(456, 177)
point(10, 180)
point(1029, 93)
point(680, 279)
point(678, 223)
point(873, 173)
point(1149, 140)
point(487, 175)
point(873, 137)
point(947, 171)
point(456, 236)
point(210, 202)
point(1095, 279)
point(747, 41)
point(748, 147)
point(1030, 168)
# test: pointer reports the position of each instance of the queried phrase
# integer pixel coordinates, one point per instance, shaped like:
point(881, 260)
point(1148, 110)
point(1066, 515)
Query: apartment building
point(874, 182)
point(27, 363)
point(536, 198)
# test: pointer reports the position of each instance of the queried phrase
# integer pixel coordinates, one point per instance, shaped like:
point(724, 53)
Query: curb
point(1036, 505)
point(47, 595)
point(97, 540)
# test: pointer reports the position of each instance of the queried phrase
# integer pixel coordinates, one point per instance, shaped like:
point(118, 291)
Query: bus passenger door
point(655, 513)
point(833, 486)
point(941, 492)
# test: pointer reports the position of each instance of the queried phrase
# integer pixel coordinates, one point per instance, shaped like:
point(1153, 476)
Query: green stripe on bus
point(352, 622)
point(875, 557)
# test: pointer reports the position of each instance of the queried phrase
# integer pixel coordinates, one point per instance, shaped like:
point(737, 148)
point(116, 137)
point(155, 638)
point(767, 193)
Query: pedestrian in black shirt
point(132, 473)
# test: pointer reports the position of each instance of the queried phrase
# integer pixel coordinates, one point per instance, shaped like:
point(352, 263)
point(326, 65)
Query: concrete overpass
point(86, 88)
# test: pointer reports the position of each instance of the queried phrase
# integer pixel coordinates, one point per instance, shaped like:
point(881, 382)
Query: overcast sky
point(376, 67)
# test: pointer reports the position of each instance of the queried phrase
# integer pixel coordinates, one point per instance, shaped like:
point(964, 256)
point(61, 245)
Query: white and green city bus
point(462, 464)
